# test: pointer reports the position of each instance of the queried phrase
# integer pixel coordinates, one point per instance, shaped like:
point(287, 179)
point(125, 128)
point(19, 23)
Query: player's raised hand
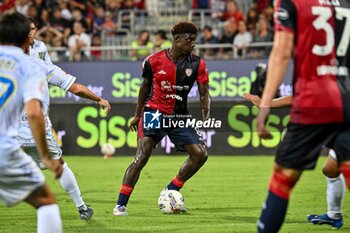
point(261, 123)
point(134, 123)
point(103, 103)
point(55, 166)
point(253, 98)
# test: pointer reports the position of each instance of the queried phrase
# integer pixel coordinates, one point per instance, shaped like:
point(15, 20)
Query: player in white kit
point(22, 85)
point(57, 77)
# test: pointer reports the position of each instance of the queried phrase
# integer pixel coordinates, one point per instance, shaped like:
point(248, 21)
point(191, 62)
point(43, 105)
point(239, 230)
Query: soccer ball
point(171, 202)
point(107, 150)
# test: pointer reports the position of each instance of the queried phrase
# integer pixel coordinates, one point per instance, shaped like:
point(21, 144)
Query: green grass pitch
point(226, 195)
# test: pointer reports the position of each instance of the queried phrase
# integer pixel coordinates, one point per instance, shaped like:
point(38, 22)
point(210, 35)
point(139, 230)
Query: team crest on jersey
point(188, 72)
point(41, 55)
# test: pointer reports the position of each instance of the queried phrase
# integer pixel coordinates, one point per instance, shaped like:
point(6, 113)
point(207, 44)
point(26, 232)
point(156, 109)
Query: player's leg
point(70, 185)
point(342, 148)
point(22, 180)
point(48, 214)
point(197, 156)
point(335, 194)
point(275, 207)
point(298, 151)
point(67, 180)
point(189, 140)
point(145, 146)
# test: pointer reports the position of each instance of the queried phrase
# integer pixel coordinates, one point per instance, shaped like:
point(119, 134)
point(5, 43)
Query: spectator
point(268, 13)
point(81, 5)
point(66, 13)
point(242, 39)
point(143, 40)
point(48, 35)
point(252, 19)
point(139, 4)
point(228, 36)
point(109, 25)
point(78, 16)
point(33, 12)
point(232, 11)
point(152, 7)
point(208, 38)
point(7, 5)
point(77, 41)
point(61, 24)
point(161, 41)
point(22, 6)
point(263, 35)
point(52, 38)
point(99, 19)
point(201, 4)
point(39, 4)
point(96, 42)
point(113, 6)
point(44, 18)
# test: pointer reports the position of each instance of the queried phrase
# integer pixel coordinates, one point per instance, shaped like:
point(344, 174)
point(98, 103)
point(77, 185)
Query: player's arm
point(203, 88)
point(84, 92)
point(284, 101)
point(204, 100)
point(145, 88)
point(278, 63)
point(37, 124)
point(143, 93)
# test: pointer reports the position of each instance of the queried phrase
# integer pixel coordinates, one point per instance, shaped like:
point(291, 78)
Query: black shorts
point(302, 144)
point(180, 137)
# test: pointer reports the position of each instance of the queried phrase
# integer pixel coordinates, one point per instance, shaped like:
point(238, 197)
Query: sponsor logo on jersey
point(282, 14)
point(188, 72)
point(173, 96)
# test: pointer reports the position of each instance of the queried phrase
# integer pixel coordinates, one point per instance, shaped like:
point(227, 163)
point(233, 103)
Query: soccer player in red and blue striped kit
point(168, 77)
point(319, 32)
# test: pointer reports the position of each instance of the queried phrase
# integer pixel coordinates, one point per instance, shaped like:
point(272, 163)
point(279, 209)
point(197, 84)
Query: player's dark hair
point(14, 29)
point(184, 27)
point(34, 21)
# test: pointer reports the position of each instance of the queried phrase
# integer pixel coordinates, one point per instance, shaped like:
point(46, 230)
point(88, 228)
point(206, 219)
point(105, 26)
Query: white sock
point(49, 219)
point(70, 184)
point(335, 195)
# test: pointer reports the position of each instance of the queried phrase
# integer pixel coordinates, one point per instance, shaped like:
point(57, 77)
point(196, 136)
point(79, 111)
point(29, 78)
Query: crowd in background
point(78, 24)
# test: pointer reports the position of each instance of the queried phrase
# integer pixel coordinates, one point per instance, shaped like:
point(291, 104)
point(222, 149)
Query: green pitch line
point(224, 196)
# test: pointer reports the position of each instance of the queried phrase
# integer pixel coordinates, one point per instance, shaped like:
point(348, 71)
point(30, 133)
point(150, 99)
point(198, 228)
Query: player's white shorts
point(28, 144)
point(52, 145)
point(332, 154)
point(19, 178)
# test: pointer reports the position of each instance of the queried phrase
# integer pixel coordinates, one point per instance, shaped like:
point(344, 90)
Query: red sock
point(175, 184)
point(281, 185)
point(345, 169)
point(126, 189)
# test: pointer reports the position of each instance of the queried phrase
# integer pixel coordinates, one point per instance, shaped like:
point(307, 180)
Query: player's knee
point(201, 155)
point(331, 172)
point(283, 181)
point(41, 197)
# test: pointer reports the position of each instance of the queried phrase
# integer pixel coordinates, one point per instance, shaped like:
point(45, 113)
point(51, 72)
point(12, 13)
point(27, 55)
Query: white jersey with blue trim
point(55, 76)
point(20, 81)
point(39, 51)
